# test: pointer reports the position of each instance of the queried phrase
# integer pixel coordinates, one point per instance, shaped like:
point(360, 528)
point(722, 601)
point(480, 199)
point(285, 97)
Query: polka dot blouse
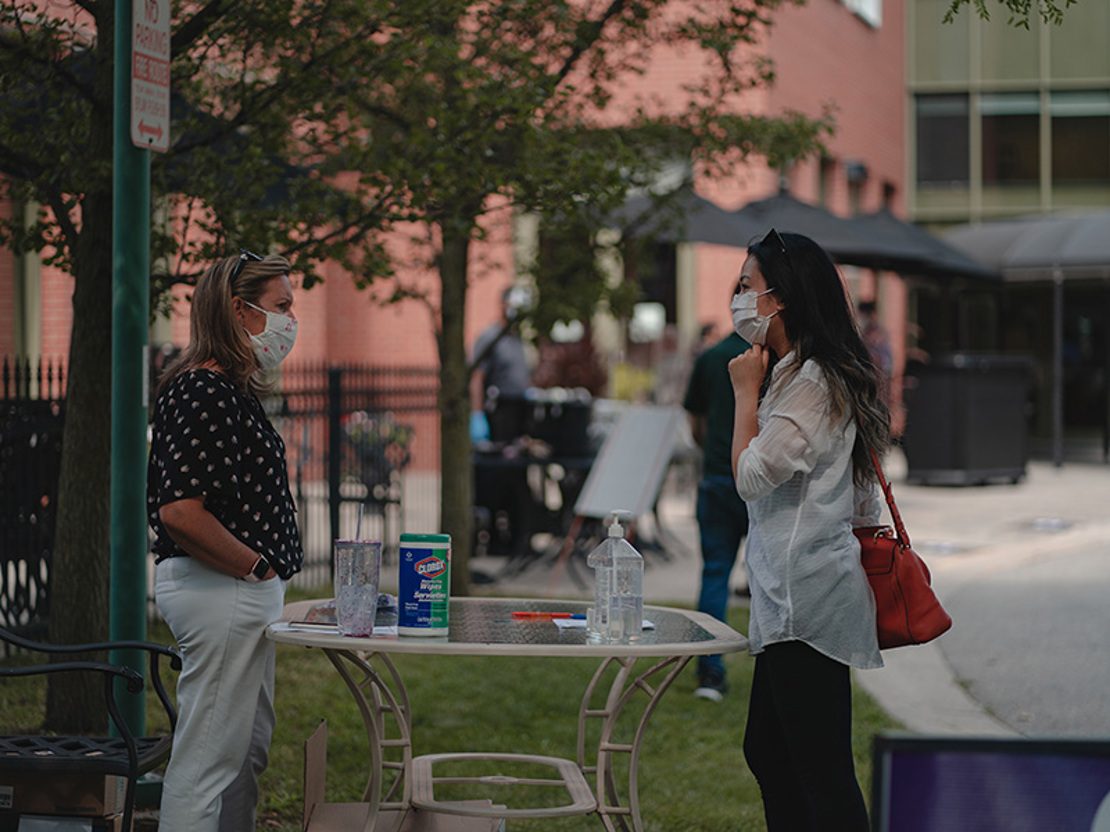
point(210, 438)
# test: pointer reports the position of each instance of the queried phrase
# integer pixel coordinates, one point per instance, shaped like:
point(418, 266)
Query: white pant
point(225, 695)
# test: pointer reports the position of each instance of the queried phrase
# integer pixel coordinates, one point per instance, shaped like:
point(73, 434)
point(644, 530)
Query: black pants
point(798, 741)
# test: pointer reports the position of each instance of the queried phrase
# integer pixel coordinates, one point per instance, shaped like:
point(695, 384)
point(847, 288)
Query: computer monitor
point(965, 784)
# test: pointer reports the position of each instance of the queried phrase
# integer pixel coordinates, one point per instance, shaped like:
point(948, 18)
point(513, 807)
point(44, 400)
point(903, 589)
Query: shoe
point(711, 685)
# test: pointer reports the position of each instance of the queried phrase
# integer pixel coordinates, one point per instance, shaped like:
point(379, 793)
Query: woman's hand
point(747, 371)
point(196, 530)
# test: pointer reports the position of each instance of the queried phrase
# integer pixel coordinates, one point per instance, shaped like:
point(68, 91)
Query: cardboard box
point(61, 823)
point(62, 794)
point(320, 816)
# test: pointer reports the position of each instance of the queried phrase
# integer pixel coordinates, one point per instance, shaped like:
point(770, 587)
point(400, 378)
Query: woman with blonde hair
point(225, 538)
point(805, 425)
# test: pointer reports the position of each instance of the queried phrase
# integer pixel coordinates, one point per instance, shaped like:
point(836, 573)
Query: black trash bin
point(967, 419)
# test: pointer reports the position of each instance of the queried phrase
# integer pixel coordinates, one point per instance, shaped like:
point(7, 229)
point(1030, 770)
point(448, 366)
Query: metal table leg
point(653, 683)
point(383, 702)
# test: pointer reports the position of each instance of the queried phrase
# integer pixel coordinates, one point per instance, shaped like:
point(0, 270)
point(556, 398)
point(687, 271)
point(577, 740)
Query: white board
point(629, 469)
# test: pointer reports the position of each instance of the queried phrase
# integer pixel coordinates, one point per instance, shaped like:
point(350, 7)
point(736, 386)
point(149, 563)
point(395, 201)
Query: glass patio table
point(641, 672)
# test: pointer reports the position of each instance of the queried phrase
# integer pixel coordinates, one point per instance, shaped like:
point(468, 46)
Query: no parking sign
point(150, 74)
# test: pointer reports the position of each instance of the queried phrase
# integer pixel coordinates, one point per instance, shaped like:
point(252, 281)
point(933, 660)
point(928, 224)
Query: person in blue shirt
point(721, 514)
point(499, 356)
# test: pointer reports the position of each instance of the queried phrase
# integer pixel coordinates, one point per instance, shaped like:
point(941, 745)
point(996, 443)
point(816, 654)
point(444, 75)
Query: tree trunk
point(456, 504)
point(81, 560)
point(80, 563)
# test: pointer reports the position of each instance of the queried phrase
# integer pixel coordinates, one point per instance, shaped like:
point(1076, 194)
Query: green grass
point(692, 776)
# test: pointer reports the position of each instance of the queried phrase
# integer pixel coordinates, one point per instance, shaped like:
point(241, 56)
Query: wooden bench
point(124, 755)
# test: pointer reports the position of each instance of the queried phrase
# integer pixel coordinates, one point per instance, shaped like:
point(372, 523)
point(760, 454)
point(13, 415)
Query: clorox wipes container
point(424, 584)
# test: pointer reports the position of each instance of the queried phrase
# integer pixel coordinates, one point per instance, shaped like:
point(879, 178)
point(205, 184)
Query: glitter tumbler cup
point(358, 565)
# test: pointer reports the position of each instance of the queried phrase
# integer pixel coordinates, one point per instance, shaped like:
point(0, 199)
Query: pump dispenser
point(618, 612)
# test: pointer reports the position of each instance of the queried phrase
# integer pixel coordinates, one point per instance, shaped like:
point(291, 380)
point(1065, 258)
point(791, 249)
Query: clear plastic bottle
point(618, 612)
point(597, 617)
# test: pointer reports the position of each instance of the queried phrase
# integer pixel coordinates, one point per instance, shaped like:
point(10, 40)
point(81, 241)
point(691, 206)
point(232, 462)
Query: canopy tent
point(919, 252)
point(1051, 248)
point(1036, 248)
point(834, 234)
point(876, 241)
point(681, 216)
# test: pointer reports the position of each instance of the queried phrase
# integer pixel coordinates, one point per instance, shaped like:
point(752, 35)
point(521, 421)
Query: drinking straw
point(358, 525)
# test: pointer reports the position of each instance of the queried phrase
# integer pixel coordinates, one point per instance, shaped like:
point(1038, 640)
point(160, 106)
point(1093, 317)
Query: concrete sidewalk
point(968, 535)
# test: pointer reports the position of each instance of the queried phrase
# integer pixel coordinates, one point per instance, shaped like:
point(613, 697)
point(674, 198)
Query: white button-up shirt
point(803, 561)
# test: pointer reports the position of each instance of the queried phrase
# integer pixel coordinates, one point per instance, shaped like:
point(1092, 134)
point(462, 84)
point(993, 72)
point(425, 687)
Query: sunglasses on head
point(244, 257)
point(774, 241)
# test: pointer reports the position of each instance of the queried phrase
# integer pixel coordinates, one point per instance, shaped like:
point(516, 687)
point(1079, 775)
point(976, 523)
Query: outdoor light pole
point(130, 315)
point(1057, 366)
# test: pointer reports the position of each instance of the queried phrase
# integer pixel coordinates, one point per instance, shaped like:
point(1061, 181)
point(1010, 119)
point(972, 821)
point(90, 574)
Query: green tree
point(245, 78)
point(312, 128)
point(508, 112)
point(1052, 11)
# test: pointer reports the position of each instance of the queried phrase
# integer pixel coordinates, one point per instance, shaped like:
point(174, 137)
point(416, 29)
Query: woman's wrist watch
point(258, 571)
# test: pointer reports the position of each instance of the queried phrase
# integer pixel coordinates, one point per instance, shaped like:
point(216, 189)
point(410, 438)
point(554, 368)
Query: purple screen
point(992, 791)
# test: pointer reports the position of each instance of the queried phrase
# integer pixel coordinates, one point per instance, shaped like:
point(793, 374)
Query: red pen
point(542, 615)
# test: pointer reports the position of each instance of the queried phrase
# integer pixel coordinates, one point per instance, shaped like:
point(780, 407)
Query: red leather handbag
point(907, 609)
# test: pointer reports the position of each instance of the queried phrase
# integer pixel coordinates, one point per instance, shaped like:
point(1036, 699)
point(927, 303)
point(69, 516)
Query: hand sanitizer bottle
point(597, 617)
point(618, 612)
point(626, 599)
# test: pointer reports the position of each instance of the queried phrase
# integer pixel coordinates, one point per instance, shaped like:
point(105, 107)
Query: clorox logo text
point(430, 567)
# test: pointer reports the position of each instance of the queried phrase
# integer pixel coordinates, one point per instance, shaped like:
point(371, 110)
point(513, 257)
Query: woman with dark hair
point(225, 532)
point(808, 415)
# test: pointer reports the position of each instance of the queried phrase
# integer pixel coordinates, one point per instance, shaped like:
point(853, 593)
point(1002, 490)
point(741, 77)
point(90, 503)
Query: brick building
point(846, 55)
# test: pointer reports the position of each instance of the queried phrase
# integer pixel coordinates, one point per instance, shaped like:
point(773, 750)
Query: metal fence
point(361, 441)
point(380, 426)
point(32, 411)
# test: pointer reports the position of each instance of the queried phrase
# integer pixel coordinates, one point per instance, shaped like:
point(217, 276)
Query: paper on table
point(308, 627)
point(580, 624)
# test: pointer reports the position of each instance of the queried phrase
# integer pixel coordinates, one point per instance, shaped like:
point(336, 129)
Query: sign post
point(142, 68)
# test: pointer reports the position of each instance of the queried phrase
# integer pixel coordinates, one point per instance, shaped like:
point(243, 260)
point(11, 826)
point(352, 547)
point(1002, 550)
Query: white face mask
point(274, 342)
point(746, 320)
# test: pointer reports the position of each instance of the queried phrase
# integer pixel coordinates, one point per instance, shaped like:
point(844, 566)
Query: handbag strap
point(899, 527)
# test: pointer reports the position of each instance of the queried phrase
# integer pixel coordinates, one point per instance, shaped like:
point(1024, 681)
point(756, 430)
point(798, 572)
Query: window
point(825, 172)
point(1081, 137)
point(890, 190)
point(856, 173)
point(870, 11)
point(1009, 53)
point(1078, 44)
point(656, 270)
point(942, 140)
point(1011, 138)
point(939, 51)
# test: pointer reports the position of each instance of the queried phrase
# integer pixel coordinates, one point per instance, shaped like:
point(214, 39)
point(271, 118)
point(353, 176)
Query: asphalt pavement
point(1024, 570)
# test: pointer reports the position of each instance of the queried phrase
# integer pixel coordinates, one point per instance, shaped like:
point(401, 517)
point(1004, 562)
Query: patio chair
point(125, 755)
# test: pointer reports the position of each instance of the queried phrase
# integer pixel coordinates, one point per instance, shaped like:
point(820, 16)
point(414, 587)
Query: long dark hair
point(819, 323)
